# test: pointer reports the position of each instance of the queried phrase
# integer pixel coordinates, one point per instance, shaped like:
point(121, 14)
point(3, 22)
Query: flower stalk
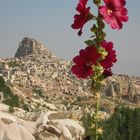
point(96, 60)
point(96, 120)
point(96, 93)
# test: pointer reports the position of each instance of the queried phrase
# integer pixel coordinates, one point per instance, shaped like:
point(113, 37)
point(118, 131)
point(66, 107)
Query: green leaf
point(94, 28)
point(102, 36)
point(89, 42)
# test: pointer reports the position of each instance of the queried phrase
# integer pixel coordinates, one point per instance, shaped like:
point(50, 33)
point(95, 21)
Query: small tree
point(13, 101)
point(136, 124)
point(7, 93)
point(11, 109)
point(123, 125)
point(2, 83)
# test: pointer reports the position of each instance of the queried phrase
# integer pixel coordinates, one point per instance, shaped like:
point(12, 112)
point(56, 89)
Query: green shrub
point(79, 98)
point(11, 109)
point(7, 93)
point(25, 107)
point(123, 125)
point(13, 101)
point(2, 83)
point(13, 64)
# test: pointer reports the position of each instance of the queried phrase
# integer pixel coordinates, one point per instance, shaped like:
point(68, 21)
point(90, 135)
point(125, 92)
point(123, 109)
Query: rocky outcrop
point(43, 128)
point(11, 129)
point(28, 46)
point(113, 88)
point(111, 92)
point(123, 87)
point(131, 90)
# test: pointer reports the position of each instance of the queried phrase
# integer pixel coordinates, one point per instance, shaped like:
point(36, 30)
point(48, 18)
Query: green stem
point(96, 88)
point(96, 120)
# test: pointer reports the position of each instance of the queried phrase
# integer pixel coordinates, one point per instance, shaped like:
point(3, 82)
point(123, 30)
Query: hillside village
point(44, 85)
point(35, 67)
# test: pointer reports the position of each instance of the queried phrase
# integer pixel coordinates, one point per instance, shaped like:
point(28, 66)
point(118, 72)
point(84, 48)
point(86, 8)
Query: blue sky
point(49, 21)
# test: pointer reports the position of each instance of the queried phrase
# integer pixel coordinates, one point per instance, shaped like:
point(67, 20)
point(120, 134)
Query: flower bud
point(100, 131)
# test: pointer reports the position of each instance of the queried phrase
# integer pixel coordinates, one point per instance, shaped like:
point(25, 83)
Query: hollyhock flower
point(110, 58)
point(83, 17)
point(114, 13)
point(107, 72)
point(84, 62)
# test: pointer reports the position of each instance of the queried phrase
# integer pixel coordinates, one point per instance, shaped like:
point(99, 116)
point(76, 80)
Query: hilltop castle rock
point(29, 46)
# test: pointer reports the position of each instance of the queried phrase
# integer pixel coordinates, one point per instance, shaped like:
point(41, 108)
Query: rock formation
point(114, 88)
point(42, 128)
point(28, 46)
point(131, 90)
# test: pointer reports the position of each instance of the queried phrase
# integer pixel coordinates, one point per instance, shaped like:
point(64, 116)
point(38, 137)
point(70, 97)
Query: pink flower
point(114, 13)
point(83, 17)
point(84, 62)
point(110, 58)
